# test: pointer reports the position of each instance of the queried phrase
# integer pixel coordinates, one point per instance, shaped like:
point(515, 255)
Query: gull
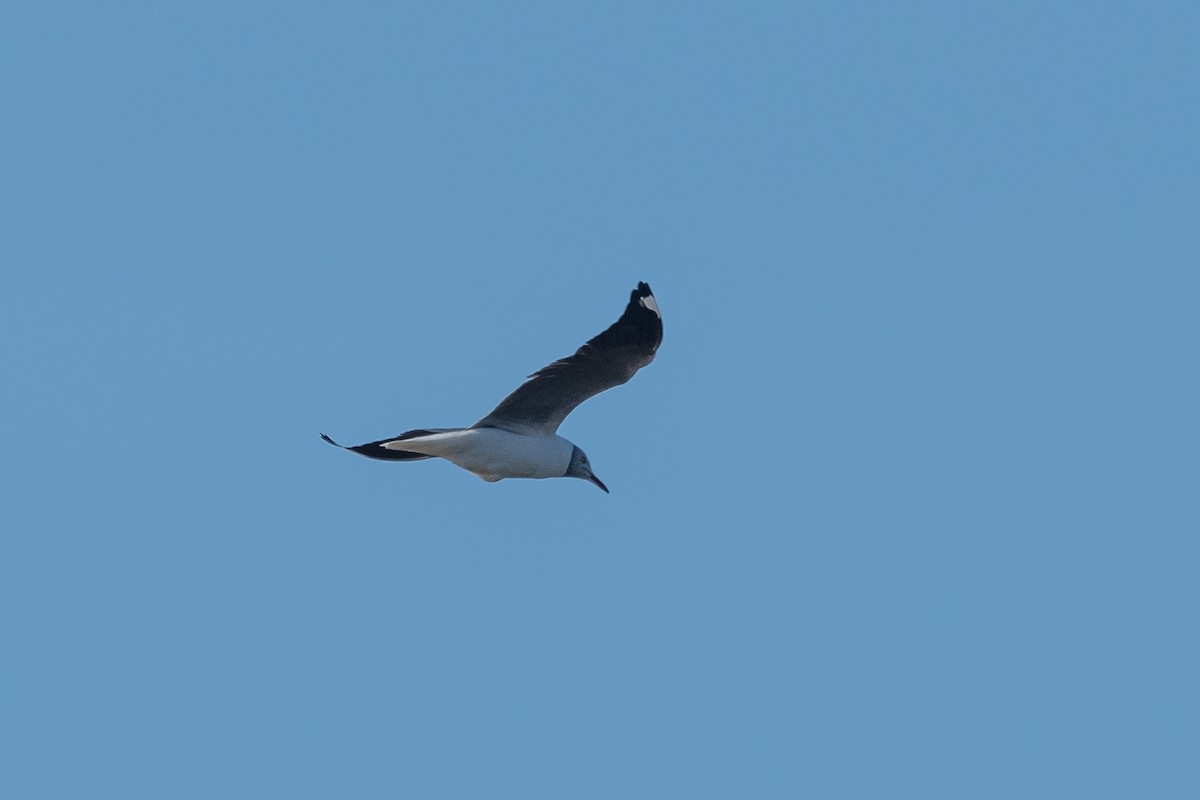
point(519, 438)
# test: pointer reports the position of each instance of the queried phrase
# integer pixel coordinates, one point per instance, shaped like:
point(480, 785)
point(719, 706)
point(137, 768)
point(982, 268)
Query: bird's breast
point(493, 453)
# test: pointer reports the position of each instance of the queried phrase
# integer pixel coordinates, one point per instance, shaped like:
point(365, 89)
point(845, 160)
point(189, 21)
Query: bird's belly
point(492, 454)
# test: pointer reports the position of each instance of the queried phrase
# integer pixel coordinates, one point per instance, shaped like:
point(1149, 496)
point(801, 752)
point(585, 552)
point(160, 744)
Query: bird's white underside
point(493, 453)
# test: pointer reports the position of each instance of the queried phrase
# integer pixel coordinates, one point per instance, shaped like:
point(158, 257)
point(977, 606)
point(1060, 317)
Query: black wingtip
point(331, 441)
point(642, 290)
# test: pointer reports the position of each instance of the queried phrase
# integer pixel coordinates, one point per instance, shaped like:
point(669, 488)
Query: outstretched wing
point(383, 452)
point(610, 359)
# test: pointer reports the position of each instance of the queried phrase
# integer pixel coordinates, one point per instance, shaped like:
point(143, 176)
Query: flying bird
point(519, 438)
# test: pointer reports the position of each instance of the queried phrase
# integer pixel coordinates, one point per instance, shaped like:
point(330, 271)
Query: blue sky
point(906, 506)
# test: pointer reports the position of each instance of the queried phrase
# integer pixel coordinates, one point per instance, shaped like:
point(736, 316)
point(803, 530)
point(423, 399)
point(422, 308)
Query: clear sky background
point(906, 506)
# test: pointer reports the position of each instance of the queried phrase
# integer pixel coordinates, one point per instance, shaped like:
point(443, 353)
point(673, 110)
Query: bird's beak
point(599, 483)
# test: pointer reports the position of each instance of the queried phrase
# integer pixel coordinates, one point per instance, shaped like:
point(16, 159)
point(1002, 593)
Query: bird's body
point(519, 439)
point(494, 453)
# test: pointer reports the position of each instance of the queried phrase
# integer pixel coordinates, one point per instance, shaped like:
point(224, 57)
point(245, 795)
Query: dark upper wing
point(380, 451)
point(607, 360)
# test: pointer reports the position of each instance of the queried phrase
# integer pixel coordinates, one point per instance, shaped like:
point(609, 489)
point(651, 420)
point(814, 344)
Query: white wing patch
point(649, 302)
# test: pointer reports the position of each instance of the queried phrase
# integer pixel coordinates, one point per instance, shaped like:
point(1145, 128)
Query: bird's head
point(580, 467)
